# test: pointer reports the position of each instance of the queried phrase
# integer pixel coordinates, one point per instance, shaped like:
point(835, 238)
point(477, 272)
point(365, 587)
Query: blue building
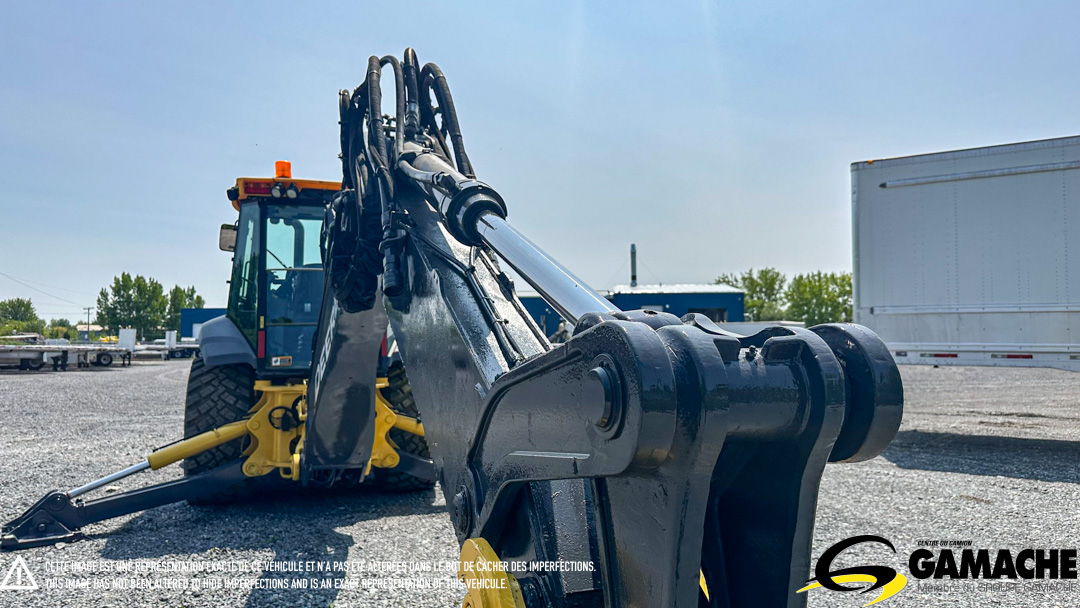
point(191, 320)
point(718, 302)
point(544, 315)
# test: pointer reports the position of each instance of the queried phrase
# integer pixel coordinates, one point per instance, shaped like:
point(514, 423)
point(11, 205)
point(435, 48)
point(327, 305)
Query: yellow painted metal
point(487, 583)
point(383, 452)
point(409, 425)
point(194, 445)
point(272, 447)
point(704, 586)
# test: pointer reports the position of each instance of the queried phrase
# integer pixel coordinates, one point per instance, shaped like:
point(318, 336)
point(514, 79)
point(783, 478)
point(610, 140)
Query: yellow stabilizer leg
point(197, 444)
point(270, 447)
point(170, 454)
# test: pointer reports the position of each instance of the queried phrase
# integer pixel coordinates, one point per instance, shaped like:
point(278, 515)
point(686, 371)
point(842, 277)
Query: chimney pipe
point(633, 265)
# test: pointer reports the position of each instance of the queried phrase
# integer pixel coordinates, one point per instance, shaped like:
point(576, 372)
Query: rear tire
point(104, 359)
point(31, 364)
point(399, 394)
point(217, 396)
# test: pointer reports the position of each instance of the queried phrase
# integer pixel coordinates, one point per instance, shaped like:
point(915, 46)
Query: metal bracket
point(273, 439)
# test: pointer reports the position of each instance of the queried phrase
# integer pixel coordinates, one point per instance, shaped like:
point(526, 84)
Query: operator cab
point(277, 278)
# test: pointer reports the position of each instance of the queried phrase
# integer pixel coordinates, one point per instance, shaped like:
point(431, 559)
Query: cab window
point(294, 283)
point(244, 286)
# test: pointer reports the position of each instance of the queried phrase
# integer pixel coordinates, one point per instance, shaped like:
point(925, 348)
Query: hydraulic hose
point(376, 136)
point(345, 104)
point(399, 103)
point(412, 95)
point(377, 151)
point(429, 151)
point(353, 113)
point(434, 80)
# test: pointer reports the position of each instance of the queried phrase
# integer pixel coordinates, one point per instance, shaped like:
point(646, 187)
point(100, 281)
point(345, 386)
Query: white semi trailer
point(971, 257)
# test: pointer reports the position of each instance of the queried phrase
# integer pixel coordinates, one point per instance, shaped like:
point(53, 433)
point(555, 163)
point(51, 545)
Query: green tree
point(820, 297)
point(179, 298)
point(764, 300)
point(17, 309)
point(61, 328)
point(137, 302)
point(18, 315)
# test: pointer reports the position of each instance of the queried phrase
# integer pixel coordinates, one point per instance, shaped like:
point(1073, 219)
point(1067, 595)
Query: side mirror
point(226, 240)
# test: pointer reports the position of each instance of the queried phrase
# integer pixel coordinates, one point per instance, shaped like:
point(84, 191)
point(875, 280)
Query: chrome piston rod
point(104, 481)
point(566, 293)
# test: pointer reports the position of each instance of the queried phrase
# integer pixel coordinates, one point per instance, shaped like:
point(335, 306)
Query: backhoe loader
point(247, 411)
point(678, 461)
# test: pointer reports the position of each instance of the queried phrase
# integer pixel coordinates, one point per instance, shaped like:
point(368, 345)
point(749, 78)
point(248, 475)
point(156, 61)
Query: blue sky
point(717, 136)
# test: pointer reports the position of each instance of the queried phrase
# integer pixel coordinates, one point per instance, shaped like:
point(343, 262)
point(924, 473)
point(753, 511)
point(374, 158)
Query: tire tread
point(217, 396)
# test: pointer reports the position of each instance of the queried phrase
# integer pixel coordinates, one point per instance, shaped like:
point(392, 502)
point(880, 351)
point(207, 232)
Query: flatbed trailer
point(180, 351)
point(35, 356)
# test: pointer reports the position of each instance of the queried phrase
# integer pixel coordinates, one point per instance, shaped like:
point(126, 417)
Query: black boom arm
point(679, 460)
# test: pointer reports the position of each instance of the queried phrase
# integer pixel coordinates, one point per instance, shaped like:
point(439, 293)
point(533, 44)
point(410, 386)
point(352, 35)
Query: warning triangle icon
point(18, 577)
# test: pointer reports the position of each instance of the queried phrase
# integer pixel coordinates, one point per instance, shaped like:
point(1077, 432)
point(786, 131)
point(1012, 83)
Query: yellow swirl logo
point(889, 581)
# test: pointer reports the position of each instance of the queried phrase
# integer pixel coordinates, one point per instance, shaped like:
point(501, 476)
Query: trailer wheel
point(400, 396)
point(104, 359)
point(217, 396)
point(31, 364)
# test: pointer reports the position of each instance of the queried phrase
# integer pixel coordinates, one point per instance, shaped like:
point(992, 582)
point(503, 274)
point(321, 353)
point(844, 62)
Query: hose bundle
point(350, 252)
point(360, 239)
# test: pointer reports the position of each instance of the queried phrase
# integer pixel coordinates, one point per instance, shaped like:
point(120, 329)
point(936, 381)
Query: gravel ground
point(62, 429)
point(990, 455)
